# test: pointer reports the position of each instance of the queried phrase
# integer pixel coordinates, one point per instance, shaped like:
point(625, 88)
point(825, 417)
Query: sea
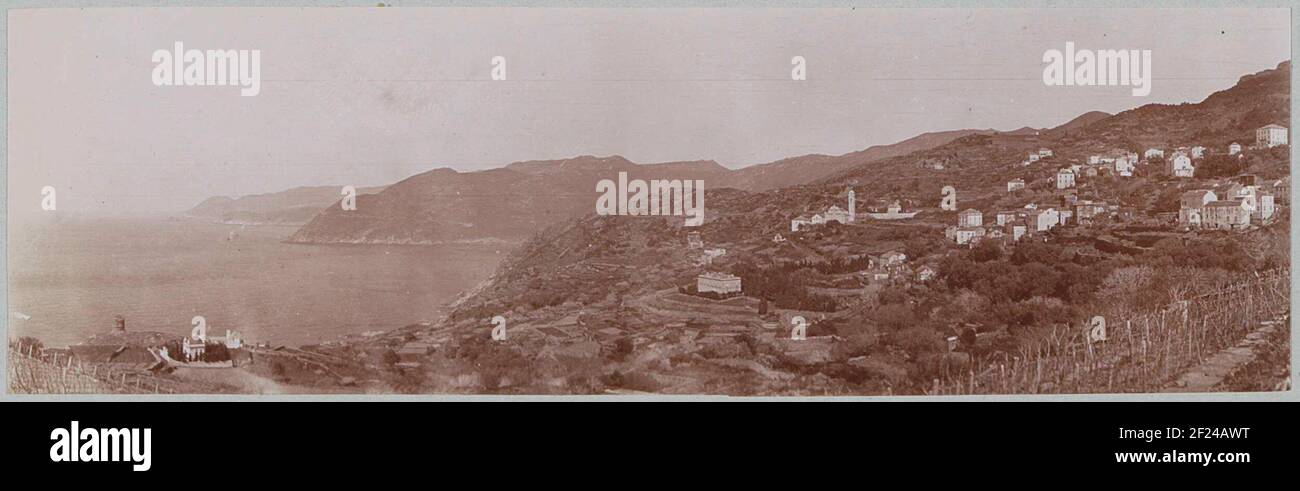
point(68, 278)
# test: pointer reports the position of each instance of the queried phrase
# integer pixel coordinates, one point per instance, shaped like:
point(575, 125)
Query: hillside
point(294, 206)
point(619, 287)
point(807, 168)
point(503, 205)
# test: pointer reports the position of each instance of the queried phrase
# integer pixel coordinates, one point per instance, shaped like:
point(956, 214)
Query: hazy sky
point(369, 96)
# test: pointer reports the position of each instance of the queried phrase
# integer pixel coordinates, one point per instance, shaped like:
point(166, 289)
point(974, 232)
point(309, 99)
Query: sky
point(368, 96)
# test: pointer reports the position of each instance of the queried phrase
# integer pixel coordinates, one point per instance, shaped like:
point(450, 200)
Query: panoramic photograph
point(648, 202)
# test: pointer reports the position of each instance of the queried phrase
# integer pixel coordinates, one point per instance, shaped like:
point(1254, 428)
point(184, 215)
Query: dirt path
point(243, 381)
point(1209, 374)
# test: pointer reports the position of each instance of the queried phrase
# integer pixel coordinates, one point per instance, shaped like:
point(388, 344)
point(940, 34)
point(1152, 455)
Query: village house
point(1015, 185)
point(717, 282)
point(1198, 152)
point(1180, 165)
point(1255, 199)
point(1087, 210)
point(1192, 205)
point(232, 339)
point(1007, 216)
point(1234, 148)
point(415, 351)
point(1044, 152)
point(1282, 189)
point(832, 214)
point(1225, 215)
point(1033, 157)
point(893, 258)
point(893, 212)
point(693, 241)
point(836, 214)
point(926, 273)
point(1125, 166)
point(964, 235)
point(711, 254)
point(804, 220)
point(970, 218)
point(1016, 230)
point(1152, 153)
point(1269, 136)
point(1064, 179)
point(1042, 220)
point(192, 348)
point(876, 275)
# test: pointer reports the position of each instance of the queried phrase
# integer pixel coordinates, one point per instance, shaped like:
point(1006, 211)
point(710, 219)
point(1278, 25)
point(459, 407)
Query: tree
point(390, 357)
point(623, 347)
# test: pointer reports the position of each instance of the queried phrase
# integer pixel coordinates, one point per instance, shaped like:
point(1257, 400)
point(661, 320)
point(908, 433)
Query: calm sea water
point(73, 276)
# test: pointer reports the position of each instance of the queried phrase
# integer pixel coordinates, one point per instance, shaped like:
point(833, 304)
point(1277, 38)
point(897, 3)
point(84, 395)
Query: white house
point(1270, 136)
point(1225, 214)
point(970, 218)
point(1257, 201)
point(1044, 152)
point(232, 339)
point(693, 241)
point(1125, 166)
point(893, 258)
point(1180, 165)
point(1198, 152)
point(1192, 205)
point(1234, 148)
point(1064, 179)
point(712, 281)
point(967, 235)
point(1015, 185)
point(837, 214)
point(1007, 216)
point(1043, 220)
point(1016, 230)
point(926, 273)
point(1153, 153)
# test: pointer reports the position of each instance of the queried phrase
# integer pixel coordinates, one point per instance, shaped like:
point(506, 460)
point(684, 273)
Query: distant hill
point(507, 204)
point(512, 202)
point(294, 206)
point(1077, 124)
point(807, 168)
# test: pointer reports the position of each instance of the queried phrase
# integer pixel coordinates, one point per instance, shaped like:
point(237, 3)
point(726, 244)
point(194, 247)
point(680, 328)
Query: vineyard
point(1138, 353)
point(34, 373)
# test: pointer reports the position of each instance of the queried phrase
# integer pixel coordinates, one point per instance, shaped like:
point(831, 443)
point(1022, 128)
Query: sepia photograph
point(907, 203)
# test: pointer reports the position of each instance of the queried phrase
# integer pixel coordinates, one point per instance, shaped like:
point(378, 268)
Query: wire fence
point(1140, 353)
point(33, 372)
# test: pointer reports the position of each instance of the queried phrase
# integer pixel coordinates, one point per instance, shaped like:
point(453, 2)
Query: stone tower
point(853, 207)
